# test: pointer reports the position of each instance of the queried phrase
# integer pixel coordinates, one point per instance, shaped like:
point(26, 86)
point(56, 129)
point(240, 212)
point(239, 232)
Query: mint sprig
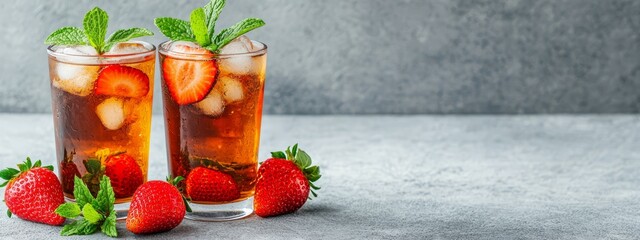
point(97, 213)
point(201, 28)
point(94, 31)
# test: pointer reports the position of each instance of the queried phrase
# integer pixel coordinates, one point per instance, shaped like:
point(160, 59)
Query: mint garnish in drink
point(201, 28)
point(94, 33)
point(97, 213)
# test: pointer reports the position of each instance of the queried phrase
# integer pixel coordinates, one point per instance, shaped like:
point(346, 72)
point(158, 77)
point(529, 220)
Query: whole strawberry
point(204, 184)
point(284, 181)
point(68, 170)
point(33, 192)
point(156, 206)
point(125, 174)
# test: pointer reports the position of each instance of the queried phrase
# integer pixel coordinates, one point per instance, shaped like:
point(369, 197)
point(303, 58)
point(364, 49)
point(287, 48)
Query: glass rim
point(152, 49)
point(162, 49)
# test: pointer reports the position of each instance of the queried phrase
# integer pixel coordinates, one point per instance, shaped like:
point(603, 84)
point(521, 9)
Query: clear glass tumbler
point(101, 108)
point(213, 141)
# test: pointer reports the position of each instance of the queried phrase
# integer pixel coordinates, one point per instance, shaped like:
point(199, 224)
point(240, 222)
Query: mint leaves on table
point(97, 213)
point(201, 28)
point(95, 30)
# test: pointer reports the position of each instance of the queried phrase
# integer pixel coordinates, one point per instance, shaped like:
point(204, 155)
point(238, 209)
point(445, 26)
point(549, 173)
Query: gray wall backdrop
point(384, 56)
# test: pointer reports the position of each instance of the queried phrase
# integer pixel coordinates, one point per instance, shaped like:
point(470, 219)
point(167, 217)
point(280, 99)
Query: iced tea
point(102, 114)
point(220, 132)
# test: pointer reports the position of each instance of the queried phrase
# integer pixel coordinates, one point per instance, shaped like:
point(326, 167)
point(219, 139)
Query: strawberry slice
point(123, 81)
point(189, 81)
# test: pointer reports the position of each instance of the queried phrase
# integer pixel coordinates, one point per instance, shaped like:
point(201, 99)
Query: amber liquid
point(227, 142)
point(79, 132)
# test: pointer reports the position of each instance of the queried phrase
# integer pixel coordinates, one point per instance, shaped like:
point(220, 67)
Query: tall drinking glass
point(213, 142)
point(102, 116)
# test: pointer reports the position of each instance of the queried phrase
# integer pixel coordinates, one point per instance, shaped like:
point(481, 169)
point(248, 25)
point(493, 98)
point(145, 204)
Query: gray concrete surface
point(380, 56)
point(418, 177)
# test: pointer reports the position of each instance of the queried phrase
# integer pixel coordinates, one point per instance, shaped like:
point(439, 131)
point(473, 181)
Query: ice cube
point(231, 89)
point(237, 64)
point(80, 50)
point(75, 79)
point(126, 48)
point(241, 44)
point(111, 113)
point(193, 49)
point(212, 104)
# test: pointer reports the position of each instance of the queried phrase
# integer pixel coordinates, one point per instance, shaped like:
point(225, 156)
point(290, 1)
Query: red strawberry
point(125, 174)
point(156, 206)
point(122, 81)
point(204, 184)
point(33, 193)
point(283, 182)
point(69, 170)
point(189, 81)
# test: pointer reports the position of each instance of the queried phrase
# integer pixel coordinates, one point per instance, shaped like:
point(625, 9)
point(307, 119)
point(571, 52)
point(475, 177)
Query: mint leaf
point(199, 27)
point(212, 12)
point(95, 27)
point(124, 35)
point(92, 165)
point(81, 192)
point(80, 227)
point(109, 225)
point(9, 213)
point(228, 34)
point(175, 29)
point(106, 197)
point(90, 214)
point(68, 210)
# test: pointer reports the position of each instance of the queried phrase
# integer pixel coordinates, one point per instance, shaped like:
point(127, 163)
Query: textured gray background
point(380, 56)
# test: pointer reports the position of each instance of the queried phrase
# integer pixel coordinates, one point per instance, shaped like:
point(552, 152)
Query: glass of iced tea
point(101, 107)
point(212, 111)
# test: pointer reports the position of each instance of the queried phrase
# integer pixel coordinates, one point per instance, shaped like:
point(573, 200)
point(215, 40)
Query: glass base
point(122, 209)
point(220, 212)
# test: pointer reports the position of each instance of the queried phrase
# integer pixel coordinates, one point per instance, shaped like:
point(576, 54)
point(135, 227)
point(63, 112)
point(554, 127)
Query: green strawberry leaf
point(67, 36)
point(90, 214)
point(8, 173)
point(199, 27)
point(124, 35)
point(106, 197)
point(109, 225)
point(303, 159)
point(228, 34)
point(294, 150)
point(29, 163)
point(95, 27)
point(68, 210)
point(81, 192)
point(175, 29)
point(175, 181)
point(8, 213)
point(278, 154)
point(212, 12)
point(23, 167)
